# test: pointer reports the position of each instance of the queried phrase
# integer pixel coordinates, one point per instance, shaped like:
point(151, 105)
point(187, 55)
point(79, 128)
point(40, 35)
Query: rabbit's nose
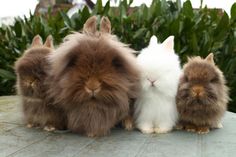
point(92, 91)
point(197, 90)
point(30, 83)
point(93, 86)
point(152, 81)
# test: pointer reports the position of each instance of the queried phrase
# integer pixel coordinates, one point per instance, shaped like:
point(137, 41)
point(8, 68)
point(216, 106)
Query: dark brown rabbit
point(32, 72)
point(94, 77)
point(202, 95)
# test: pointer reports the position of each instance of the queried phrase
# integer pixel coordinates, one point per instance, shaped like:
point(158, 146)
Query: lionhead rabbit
point(94, 77)
point(32, 72)
point(155, 109)
point(202, 95)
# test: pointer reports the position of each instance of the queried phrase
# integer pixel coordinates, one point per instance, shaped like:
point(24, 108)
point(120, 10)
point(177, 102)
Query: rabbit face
point(94, 73)
point(32, 71)
point(160, 66)
point(200, 83)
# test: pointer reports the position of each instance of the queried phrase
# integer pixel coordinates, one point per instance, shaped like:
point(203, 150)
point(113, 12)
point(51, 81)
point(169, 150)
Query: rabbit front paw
point(162, 130)
point(147, 130)
point(49, 128)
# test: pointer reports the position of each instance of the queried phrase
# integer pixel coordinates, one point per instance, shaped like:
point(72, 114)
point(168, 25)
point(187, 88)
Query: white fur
point(155, 109)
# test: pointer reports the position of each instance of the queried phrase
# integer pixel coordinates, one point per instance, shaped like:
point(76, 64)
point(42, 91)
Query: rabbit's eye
point(72, 61)
point(214, 80)
point(186, 78)
point(117, 63)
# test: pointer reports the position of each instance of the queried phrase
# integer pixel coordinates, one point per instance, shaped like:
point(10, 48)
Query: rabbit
point(94, 78)
point(155, 109)
point(202, 95)
point(32, 72)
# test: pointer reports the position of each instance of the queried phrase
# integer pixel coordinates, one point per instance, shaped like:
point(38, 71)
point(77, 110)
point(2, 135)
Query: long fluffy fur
point(155, 110)
point(32, 74)
point(96, 61)
point(202, 95)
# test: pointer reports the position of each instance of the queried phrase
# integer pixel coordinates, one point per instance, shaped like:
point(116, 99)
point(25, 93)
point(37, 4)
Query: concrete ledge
point(18, 141)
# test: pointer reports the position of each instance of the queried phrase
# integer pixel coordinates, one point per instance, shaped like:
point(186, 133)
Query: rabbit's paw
point(162, 130)
point(203, 130)
point(49, 128)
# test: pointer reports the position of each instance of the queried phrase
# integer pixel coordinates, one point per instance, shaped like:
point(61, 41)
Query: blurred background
point(199, 27)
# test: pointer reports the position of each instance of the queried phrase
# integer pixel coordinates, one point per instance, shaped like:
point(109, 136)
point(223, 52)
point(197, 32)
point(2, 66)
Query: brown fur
point(94, 61)
point(202, 95)
point(32, 72)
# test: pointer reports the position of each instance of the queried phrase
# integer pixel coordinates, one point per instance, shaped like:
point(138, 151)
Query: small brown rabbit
point(202, 95)
point(94, 78)
point(32, 72)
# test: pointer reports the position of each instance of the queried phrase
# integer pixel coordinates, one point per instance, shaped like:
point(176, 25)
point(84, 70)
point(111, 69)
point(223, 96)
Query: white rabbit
point(155, 109)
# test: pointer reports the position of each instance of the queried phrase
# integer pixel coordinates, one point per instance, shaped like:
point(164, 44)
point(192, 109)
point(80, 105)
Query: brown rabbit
point(94, 77)
point(202, 95)
point(32, 72)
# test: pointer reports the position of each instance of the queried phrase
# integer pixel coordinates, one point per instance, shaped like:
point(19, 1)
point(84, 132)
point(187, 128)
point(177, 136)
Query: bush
point(197, 32)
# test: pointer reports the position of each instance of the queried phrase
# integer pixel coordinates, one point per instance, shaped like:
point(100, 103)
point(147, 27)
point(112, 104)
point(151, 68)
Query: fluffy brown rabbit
point(32, 72)
point(202, 95)
point(94, 77)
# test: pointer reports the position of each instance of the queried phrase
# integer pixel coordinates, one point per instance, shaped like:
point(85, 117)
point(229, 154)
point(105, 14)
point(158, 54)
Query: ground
point(16, 140)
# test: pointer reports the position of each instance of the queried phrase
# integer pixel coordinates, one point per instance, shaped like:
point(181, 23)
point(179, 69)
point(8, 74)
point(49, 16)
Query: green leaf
point(85, 14)
point(122, 12)
point(106, 8)
point(7, 74)
point(98, 7)
point(124, 3)
point(194, 43)
point(130, 2)
point(155, 9)
point(17, 28)
point(175, 27)
point(222, 28)
point(233, 11)
point(140, 33)
point(188, 9)
point(164, 6)
point(143, 12)
point(66, 19)
point(178, 3)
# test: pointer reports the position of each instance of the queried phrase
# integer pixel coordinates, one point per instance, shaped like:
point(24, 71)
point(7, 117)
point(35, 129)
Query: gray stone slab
point(17, 138)
point(18, 141)
point(5, 127)
point(54, 145)
point(10, 110)
point(176, 143)
point(221, 142)
point(119, 144)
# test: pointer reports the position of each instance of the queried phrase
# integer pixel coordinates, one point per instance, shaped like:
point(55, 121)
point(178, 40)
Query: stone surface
point(18, 141)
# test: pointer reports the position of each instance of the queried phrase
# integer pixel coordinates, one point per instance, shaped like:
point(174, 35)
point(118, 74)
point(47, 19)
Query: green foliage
point(197, 32)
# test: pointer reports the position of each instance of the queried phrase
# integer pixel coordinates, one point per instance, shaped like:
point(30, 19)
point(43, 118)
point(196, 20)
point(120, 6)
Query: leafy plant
point(196, 31)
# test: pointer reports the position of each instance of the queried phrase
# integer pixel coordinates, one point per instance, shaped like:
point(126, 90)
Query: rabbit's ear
point(37, 41)
point(153, 40)
point(189, 59)
point(210, 58)
point(105, 26)
point(90, 26)
point(169, 43)
point(49, 42)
